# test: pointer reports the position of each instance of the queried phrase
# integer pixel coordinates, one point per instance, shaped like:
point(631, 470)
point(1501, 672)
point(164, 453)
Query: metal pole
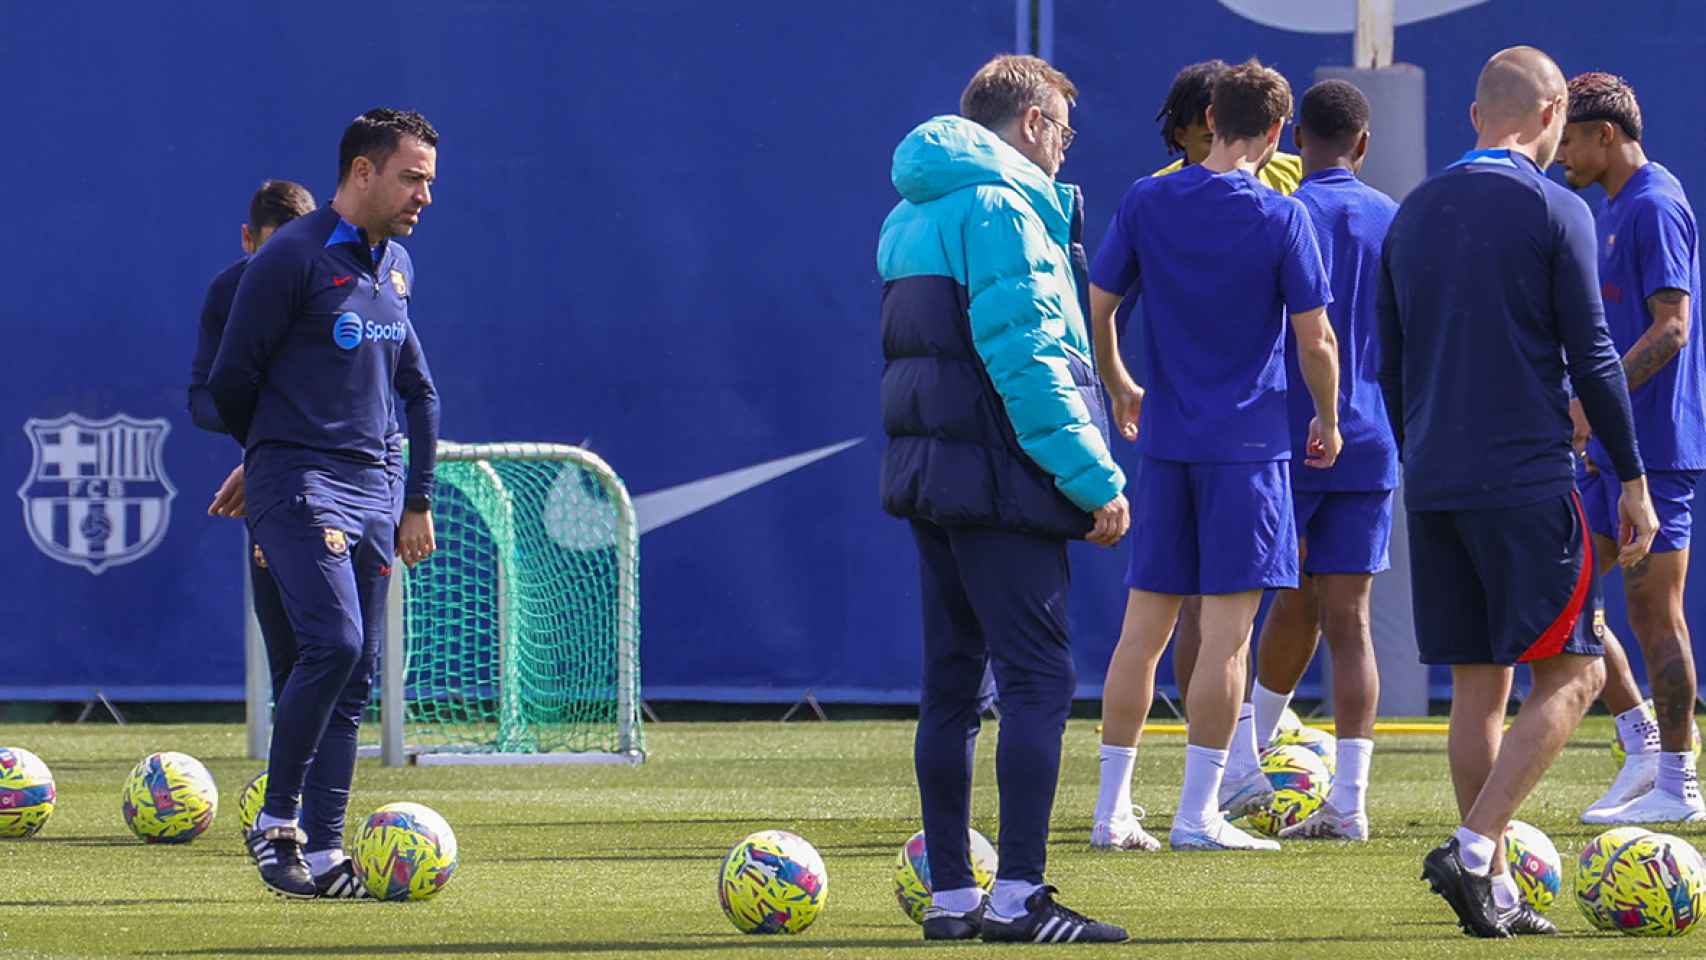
point(257, 674)
point(391, 675)
point(1374, 34)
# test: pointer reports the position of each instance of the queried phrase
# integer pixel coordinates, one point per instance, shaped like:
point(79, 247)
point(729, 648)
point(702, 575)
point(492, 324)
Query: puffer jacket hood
point(948, 153)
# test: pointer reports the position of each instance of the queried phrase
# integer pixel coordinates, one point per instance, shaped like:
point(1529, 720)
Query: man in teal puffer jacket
point(997, 455)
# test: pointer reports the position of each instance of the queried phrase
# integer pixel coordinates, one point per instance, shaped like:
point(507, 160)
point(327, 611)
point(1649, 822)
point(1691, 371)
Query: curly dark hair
point(1187, 100)
point(376, 134)
point(1604, 96)
point(1334, 111)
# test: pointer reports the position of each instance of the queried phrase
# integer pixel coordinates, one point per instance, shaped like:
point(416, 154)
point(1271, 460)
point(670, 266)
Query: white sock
point(1678, 777)
point(1008, 899)
point(1350, 784)
point(319, 861)
point(1638, 729)
point(1199, 798)
point(1113, 800)
point(1475, 851)
point(964, 900)
point(1242, 760)
point(1506, 896)
point(266, 821)
point(1269, 706)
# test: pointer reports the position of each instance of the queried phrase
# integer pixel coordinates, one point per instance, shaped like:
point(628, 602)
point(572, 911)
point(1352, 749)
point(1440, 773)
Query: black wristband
point(419, 503)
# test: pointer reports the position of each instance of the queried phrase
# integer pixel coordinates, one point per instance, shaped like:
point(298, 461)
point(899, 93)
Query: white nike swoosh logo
point(1340, 17)
point(663, 507)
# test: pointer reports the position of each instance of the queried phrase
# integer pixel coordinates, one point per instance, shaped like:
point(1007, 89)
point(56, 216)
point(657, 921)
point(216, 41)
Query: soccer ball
point(1300, 781)
point(26, 792)
point(250, 801)
point(1618, 754)
point(169, 798)
point(1288, 721)
point(1654, 886)
point(773, 882)
point(1316, 741)
point(912, 872)
point(1590, 874)
point(1534, 864)
point(405, 851)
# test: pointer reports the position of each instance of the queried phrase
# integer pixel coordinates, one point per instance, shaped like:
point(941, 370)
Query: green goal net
point(520, 636)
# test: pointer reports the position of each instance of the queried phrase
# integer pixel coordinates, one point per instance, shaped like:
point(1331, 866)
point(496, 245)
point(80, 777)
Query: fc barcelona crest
point(97, 494)
point(399, 284)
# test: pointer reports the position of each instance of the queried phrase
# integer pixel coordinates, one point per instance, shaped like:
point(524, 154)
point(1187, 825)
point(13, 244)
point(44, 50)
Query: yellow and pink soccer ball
point(912, 885)
point(27, 793)
point(249, 803)
point(1315, 740)
point(405, 851)
point(1591, 888)
point(1301, 783)
point(772, 882)
point(169, 797)
point(1654, 886)
point(1533, 862)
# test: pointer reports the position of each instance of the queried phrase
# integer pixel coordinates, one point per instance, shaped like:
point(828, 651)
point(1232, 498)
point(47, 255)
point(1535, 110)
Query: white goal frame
point(392, 749)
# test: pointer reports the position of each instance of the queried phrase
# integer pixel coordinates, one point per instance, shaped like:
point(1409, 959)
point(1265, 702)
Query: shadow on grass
point(86, 904)
point(114, 840)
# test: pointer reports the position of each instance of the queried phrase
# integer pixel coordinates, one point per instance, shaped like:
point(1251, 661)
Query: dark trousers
point(996, 598)
point(332, 585)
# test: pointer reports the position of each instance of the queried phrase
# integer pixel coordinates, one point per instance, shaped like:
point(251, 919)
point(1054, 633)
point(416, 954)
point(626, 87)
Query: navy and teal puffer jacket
point(991, 403)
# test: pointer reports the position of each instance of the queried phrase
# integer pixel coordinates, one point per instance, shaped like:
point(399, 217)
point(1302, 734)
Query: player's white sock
point(964, 900)
point(1638, 729)
point(266, 821)
point(1475, 851)
point(1350, 784)
point(1113, 800)
point(1242, 759)
point(1677, 775)
point(1506, 896)
point(319, 861)
point(1269, 706)
point(1199, 797)
point(1007, 901)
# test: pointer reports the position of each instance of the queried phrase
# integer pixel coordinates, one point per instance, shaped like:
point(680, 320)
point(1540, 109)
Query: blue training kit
point(318, 347)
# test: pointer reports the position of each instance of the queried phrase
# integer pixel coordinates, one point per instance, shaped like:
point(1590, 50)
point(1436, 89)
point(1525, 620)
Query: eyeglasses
point(1067, 134)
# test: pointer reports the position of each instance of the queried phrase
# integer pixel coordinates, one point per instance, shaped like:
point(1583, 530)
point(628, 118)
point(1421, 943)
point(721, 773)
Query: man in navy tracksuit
point(1488, 300)
point(318, 346)
point(275, 204)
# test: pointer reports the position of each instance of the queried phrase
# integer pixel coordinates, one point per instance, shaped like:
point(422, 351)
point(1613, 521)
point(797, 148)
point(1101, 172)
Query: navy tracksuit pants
point(330, 582)
point(999, 599)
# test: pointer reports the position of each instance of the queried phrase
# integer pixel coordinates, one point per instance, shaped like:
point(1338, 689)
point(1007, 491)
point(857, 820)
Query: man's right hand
point(1637, 522)
point(1128, 406)
point(1112, 520)
point(228, 502)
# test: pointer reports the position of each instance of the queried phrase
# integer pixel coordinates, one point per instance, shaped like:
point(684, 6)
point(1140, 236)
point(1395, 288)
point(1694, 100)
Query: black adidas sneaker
point(1048, 922)
point(942, 924)
point(1470, 895)
point(278, 853)
point(341, 883)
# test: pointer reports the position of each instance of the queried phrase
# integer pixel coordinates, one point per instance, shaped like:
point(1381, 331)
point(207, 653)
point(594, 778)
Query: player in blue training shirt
point(1219, 261)
point(275, 204)
point(1343, 514)
point(319, 346)
point(1488, 298)
point(1649, 272)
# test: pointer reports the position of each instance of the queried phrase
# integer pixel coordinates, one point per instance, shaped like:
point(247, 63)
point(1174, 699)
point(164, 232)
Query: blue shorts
point(1344, 532)
point(1673, 499)
point(1504, 586)
point(1211, 528)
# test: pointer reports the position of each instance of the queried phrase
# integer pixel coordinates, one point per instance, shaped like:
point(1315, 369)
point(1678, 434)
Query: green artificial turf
point(617, 861)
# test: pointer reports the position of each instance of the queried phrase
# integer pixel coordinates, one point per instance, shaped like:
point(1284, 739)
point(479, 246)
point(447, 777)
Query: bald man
point(1489, 296)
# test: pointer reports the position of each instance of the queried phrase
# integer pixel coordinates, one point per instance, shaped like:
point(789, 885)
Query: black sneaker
point(1525, 921)
point(1470, 896)
point(278, 852)
point(341, 883)
point(942, 924)
point(1048, 922)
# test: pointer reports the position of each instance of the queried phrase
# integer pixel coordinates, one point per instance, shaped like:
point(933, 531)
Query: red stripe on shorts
point(1551, 642)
